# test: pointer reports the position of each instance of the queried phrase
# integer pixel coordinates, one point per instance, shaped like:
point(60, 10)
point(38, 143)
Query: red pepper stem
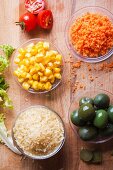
point(22, 25)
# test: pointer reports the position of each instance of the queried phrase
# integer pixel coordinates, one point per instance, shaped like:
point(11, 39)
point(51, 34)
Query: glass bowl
point(75, 104)
point(14, 66)
point(79, 13)
point(42, 157)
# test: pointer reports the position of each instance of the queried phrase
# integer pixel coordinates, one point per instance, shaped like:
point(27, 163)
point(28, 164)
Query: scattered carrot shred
point(92, 35)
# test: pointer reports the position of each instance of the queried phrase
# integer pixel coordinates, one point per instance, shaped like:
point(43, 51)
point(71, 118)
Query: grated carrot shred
point(92, 35)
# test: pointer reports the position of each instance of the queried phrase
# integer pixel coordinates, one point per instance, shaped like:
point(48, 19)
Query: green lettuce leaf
point(3, 84)
point(8, 49)
point(5, 101)
point(3, 63)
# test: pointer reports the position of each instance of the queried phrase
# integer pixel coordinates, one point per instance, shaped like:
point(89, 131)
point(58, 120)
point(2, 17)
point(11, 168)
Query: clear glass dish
point(35, 156)
point(79, 13)
point(75, 104)
point(14, 66)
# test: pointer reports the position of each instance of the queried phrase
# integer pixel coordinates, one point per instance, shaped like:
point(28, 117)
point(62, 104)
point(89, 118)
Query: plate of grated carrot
point(89, 34)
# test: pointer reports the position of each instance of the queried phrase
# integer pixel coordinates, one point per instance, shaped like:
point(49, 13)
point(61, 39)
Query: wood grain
point(60, 99)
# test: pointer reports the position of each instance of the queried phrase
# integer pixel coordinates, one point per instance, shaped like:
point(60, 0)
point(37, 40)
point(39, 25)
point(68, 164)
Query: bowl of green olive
point(91, 115)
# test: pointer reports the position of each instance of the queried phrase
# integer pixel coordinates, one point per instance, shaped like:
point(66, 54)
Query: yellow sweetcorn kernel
point(20, 56)
point(26, 62)
point(31, 45)
point(48, 86)
point(30, 67)
point(35, 76)
point(57, 63)
point(32, 60)
point(34, 51)
point(40, 73)
point(16, 73)
point(47, 59)
point(42, 66)
point(28, 55)
point(47, 72)
point(59, 57)
point(21, 80)
point(43, 79)
point(50, 65)
point(35, 85)
point(33, 71)
point(39, 57)
point(52, 80)
point(29, 76)
point(54, 52)
point(30, 82)
point(40, 43)
point(46, 45)
point(22, 51)
point(25, 85)
point(51, 77)
point(26, 69)
point(57, 75)
point(57, 70)
point(37, 67)
point(40, 86)
point(17, 60)
point(23, 74)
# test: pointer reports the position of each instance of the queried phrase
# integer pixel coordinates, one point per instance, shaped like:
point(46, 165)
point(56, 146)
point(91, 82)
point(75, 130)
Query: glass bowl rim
point(35, 157)
point(70, 47)
point(75, 131)
point(62, 68)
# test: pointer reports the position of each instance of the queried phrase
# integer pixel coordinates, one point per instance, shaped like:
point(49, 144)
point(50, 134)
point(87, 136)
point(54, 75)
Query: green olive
point(101, 119)
point(110, 113)
point(76, 119)
point(101, 101)
point(87, 132)
point(107, 131)
point(85, 100)
point(86, 112)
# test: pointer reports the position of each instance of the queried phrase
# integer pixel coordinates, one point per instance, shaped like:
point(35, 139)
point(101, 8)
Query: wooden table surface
point(60, 99)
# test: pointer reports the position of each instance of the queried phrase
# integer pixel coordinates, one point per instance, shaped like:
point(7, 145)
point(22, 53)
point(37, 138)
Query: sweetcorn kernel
point(28, 55)
point(37, 67)
point(28, 76)
point(43, 79)
point(26, 62)
point(33, 71)
point(51, 76)
point(35, 85)
point(40, 73)
point(30, 82)
point(39, 57)
point(58, 57)
point(48, 85)
point(50, 65)
point(23, 74)
point(57, 70)
point(42, 66)
point(52, 80)
point(32, 60)
point(47, 72)
point(21, 80)
point(57, 75)
point(46, 45)
point(22, 51)
point(17, 60)
point(34, 51)
point(35, 76)
point(25, 85)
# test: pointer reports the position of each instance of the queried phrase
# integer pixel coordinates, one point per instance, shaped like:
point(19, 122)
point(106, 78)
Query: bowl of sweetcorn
point(37, 66)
